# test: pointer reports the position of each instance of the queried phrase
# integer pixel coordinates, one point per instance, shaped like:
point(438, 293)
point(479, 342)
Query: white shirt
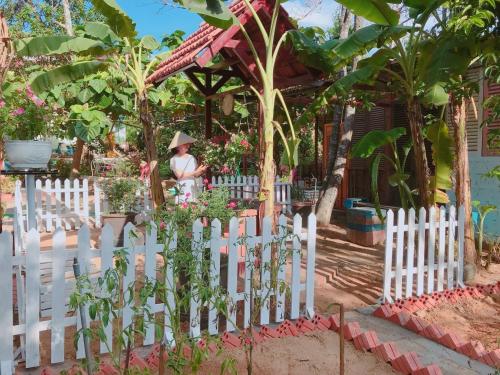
point(187, 186)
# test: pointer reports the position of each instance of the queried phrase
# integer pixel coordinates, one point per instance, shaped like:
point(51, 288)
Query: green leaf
point(56, 45)
point(442, 158)
point(214, 12)
point(374, 167)
point(311, 53)
point(150, 43)
point(88, 132)
point(105, 101)
point(93, 311)
point(98, 85)
point(47, 80)
point(119, 22)
point(85, 95)
point(398, 178)
point(101, 31)
point(436, 95)
point(376, 11)
point(375, 139)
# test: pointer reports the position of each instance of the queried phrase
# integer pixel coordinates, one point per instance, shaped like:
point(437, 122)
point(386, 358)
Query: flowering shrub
point(25, 116)
point(224, 155)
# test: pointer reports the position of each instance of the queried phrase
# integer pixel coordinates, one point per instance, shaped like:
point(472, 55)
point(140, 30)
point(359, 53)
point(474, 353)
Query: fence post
point(129, 277)
point(48, 206)
point(84, 261)
point(198, 247)
point(296, 260)
point(411, 253)
point(441, 249)
point(461, 243)
point(76, 198)
point(421, 251)
point(6, 308)
point(232, 272)
point(250, 231)
point(215, 244)
point(389, 234)
point(451, 248)
point(282, 258)
point(399, 252)
point(85, 198)
point(67, 202)
point(107, 247)
point(32, 299)
point(97, 205)
point(311, 263)
point(58, 296)
point(431, 247)
point(171, 239)
point(38, 204)
point(57, 188)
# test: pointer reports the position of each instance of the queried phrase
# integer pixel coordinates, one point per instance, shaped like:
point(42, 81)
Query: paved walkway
point(450, 362)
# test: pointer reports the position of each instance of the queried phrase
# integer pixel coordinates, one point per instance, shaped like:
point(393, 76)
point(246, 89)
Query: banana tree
point(367, 146)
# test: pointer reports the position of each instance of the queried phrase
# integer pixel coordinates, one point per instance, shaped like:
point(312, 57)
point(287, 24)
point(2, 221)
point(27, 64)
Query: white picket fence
point(412, 266)
point(247, 187)
point(48, 280)
point(67, 204)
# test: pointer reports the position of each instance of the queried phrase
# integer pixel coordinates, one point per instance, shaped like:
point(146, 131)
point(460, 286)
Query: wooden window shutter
point(491, 139)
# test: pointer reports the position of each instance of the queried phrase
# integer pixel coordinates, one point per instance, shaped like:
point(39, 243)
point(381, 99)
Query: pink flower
point(163, 226)
point(232, 205)
point(18, 112)
point(225, 169)
point(205, 181)
point(210, 187)
point(29, 92)
point(38, 102)
point(2, 103)
point(188, 194)
point(245, 143)
point(184, 205)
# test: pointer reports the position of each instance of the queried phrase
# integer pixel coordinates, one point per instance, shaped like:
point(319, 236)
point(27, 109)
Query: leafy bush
point(121, 194)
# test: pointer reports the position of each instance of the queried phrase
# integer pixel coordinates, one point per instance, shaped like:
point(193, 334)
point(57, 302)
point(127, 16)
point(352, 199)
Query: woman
point(185, 167)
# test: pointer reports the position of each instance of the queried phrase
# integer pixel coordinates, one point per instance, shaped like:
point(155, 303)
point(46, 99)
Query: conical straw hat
point(180, 139)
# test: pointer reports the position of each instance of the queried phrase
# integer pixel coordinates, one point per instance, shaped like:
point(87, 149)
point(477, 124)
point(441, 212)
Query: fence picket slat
point(250, 230)
point(38, 205)
point(97, 205)
point(215, 240)
point(421, 251)
point(389, 235)
point(6, 305)
point(399, 252)
point(431, 248)
point(198, 247)
point(58, 297)
point(48, 205)
point(85, 198)
point(107, 237)
point(265, 285)
point(67, 203)
point(411, 253)
point(296, 260)
point(76, 198)
point(150, 274)
point(84, 261)
point(232, 272)
point(461, 243)
point(32, 299)
point(171, 238)
point(441, 249)
point(281, 274)
point(57, 188)
point(451, 249)
point(129, 278)
point(311, 262)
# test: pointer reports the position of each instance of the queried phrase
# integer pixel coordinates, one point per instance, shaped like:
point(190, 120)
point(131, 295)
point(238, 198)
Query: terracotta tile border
point(366, 341)
point(401, 313)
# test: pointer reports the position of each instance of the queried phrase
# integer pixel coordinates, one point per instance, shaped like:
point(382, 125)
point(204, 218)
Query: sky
point(154, 18)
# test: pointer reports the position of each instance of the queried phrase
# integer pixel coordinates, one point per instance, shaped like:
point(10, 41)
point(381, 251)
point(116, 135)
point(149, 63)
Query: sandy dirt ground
point(471, 319)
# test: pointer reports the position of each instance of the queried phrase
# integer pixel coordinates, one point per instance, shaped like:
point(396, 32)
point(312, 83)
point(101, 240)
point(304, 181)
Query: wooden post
point(316, 150)
point(208, 107)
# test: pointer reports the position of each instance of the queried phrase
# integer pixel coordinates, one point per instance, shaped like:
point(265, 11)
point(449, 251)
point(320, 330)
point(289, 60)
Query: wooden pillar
point(208, 107)
point(388, 122)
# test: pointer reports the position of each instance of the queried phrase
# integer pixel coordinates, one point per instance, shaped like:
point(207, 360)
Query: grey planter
point(28, 154)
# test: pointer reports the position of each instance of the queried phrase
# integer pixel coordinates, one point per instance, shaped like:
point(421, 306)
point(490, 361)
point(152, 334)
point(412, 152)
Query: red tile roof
point(186, 54)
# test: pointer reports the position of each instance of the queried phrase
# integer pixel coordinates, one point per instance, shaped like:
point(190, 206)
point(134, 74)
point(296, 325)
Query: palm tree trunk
point(416, 122)
point(151, 151)
point(268, 168)
point(462, 176)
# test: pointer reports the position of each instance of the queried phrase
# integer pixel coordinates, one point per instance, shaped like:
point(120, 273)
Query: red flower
point(210, 187)
point(232, 205)
point(163, 226)
point(205, 181)
point(245, 143)
point(184, 205)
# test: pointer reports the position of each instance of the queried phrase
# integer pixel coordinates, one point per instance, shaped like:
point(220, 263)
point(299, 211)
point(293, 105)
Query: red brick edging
point(406, 363)
point(401, 313)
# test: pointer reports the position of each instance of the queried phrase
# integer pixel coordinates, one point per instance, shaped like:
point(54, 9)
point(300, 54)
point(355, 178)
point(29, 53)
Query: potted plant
point(26, 122)
point(121, 196)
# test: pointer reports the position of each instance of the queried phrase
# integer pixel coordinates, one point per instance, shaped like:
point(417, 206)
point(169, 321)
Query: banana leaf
point(376, 11)
point(121, 24)
point(214, 12)
point(57, 45)
point(442, 157)
point(375, 139)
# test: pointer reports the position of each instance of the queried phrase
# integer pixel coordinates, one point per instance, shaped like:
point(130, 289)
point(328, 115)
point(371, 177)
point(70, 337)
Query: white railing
point(67, 204)
point(48, 282)
point(411, 265)
point(247, 187)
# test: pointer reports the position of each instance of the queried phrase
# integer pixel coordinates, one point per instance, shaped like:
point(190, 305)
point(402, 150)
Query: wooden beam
point(208, 108)
point(220, 83)
point(192, 77)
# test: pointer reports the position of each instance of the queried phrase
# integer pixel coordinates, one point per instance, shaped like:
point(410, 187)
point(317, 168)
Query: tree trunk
point(336, 167)
point(329, 196)
point(416, 122)
point(462, 176)
point(68, 25)
point(268, 167)
point(77, 158)
point(151, 151)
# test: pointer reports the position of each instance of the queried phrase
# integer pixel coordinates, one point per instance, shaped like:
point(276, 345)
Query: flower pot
point(28, 154)
point(118, 222)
